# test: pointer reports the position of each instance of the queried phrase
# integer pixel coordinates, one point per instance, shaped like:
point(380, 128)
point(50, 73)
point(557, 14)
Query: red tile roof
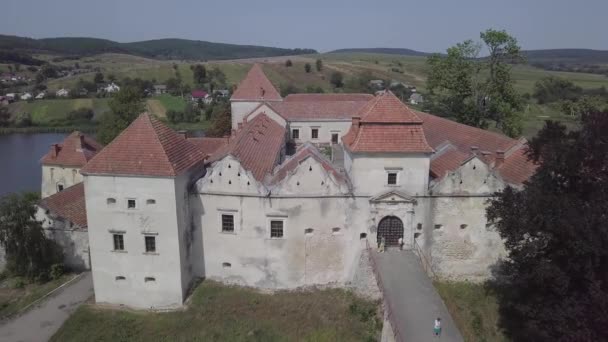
point(305, 151)
point(447, 161)
point(147, 148)
point(75, 151)
point(208, 145)
point(257, 146)
point(516, 167)
point(198, 94)
point(256, 86)
point(387, 125)
point(329, 97)
point(321, 110)
point(68, 204)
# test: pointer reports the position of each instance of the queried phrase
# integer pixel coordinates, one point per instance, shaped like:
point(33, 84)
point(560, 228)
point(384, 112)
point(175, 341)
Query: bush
point(81, 114)
point(18, 283)
point(57, 271)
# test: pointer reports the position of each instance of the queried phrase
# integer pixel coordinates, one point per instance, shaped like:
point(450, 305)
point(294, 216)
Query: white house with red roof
point(163, 209)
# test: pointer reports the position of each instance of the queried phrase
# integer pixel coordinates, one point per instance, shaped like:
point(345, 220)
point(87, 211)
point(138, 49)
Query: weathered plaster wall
point(156, 215)
point(326, 129)
point(73, 240)
point(53, 175)
point(264, 109)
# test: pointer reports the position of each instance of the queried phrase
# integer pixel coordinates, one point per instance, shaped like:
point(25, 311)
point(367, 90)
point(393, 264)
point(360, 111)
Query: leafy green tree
point(221, 120)
point(477, 91)
point(125, 107)
point(174, 86)
point(29, 253)
point(553, 89)
point(111, 78)
point(199, 74)
point(307, 67)
point(359, 83)
point(319, 65)
point(552, 287)
point(288, 63)
point(98, 78)
point(337, 79)
point(312, 89)
point(287, 89)
point(583, 105)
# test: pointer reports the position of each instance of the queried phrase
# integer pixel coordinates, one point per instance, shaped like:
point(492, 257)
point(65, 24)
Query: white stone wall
point(160, 219)
point(53, 175)
point(239, 109)
point(369, 172)
point(73, 240)
point(326, 129)
point(264, 109)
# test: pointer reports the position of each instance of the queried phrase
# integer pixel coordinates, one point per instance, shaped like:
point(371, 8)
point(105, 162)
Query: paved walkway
point(414, 300)
point(40, 322)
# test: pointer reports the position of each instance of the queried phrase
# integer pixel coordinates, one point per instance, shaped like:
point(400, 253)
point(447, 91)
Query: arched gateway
point(391, 228)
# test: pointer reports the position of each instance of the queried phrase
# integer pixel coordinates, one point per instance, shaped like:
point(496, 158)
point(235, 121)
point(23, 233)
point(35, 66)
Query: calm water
point(20, 168)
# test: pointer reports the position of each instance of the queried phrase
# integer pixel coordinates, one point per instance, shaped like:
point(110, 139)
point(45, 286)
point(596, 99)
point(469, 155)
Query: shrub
point(57, 271)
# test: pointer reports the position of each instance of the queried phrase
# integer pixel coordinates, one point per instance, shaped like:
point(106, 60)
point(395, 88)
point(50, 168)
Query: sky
point(424, 25)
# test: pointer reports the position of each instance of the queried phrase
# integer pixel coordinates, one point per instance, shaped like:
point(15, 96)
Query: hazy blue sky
point(426, 25)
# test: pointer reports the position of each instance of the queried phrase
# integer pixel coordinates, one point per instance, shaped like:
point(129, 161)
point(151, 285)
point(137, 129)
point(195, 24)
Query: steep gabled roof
point(146, 148)
point(68, 204)
point(386, 125)
point(256, 86)
point(75, 151)
point(307, 150)
point(257, 146)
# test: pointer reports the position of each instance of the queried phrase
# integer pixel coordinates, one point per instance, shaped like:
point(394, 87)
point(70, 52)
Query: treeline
point(10, 57)
point(572, 99)
point(572, 67)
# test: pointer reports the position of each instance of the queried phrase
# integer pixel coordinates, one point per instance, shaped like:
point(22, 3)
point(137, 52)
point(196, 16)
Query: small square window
point(131, 204)
point(150, 244)
point(227, 223)
point(276, 229)
point(295, 133)
point(315, 133)
point(392, 178)
point(119, 243)
point(60, 187)
point(111, 201)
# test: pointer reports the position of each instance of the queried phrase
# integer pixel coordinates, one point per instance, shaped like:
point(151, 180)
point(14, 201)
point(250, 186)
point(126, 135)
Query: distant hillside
point(582, 56)
point(159, 49)
point(388, 51)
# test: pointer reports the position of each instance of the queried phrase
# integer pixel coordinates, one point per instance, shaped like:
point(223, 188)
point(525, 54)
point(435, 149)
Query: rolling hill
point(158, 49)
point(386, 51)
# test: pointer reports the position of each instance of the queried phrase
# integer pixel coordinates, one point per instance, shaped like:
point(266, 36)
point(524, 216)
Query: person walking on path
point(437, 327)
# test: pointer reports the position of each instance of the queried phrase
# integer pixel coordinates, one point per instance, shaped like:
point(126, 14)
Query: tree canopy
point(477, 91)
point(554, 284)
point(125, 107)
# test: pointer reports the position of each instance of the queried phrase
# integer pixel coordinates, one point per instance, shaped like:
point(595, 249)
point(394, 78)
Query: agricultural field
point(224, 313)
point(48, 112)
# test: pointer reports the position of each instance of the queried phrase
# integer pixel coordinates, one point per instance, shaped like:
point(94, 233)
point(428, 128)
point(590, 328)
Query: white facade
point(56, 178)
point(327, 131)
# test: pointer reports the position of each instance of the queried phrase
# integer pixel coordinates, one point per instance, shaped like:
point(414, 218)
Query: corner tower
point(254, 89)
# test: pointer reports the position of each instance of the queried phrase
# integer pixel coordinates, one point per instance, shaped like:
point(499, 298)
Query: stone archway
point(391, 228)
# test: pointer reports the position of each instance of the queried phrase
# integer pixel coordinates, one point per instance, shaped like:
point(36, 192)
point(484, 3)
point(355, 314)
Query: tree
point(288, 63)
point(552, 287)
point(477, 91)
point(307, 67)
point(98, 78)
point(28, 251)
point(287, 89)
point(174, 86)
point(583, 105)
point(5, 116)
point(111, 78)
point(319, 64)
point(221, 120)
point(199, 74)
point(125, 106)
point(337, 79)
point(554, 89)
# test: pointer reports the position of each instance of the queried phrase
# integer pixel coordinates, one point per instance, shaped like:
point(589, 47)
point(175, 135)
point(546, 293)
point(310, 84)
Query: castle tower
point(254, 89)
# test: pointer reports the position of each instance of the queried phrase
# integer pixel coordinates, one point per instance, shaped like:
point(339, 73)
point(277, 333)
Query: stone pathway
point(40, 322)
point(413, 298)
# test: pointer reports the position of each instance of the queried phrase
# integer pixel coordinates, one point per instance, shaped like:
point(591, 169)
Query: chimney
point(356, 123)
point(80, 142)
point(54, 150)
point(500, 158)
point(183, 134)
point(474, 150)
point(240, 126)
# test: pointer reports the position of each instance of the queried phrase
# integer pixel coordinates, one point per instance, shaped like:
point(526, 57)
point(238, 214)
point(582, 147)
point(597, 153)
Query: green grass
point(172, 102)
point(13, 299)
point(474, 309)
point(223, 313)
point(46, 112)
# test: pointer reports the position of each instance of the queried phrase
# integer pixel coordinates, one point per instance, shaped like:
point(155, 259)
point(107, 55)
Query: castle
point(156, 209)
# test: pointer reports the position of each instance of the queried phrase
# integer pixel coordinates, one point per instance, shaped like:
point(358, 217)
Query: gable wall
point(52, 175)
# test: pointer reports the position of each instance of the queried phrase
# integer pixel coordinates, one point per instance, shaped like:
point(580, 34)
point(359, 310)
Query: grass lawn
point(474, 309)
point(44, 112)
point(13, 298)
point(223, 313)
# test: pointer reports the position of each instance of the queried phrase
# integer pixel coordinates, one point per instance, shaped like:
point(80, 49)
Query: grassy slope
point(44, 112)
point(222, 313)
point(474, 309)
point(12, 299)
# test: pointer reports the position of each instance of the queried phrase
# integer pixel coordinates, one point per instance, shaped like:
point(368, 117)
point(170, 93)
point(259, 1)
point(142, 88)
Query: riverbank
point(46, 129)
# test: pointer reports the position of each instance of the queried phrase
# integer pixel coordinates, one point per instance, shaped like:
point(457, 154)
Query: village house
point(40, 95)
point(25, 96)
point(62, 93)
point(111, 88)
point(163, 209)
point(200, 95)
point(416, 98)
point(160, 89)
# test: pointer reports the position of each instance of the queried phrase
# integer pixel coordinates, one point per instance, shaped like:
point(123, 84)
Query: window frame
point(314, 130)
point(153, 239)
point(225, 231)
point(60, 187)
point(388, 178)
point(121, 243)
point(295, 136)
point(134, 203)
point(271, 220)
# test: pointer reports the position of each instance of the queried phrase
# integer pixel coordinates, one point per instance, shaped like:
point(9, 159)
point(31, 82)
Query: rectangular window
point(392, 178)
point(227, 223)
point(119, 243)
point(276, 229)
point(150, 244)
point(295, 133)
point(334, 138)
point(315, 133)
point(131, 204)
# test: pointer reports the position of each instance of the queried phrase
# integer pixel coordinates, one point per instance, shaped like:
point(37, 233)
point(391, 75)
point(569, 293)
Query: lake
point(20, 169)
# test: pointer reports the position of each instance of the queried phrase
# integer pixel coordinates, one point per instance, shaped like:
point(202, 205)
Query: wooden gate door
point(391, 227)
